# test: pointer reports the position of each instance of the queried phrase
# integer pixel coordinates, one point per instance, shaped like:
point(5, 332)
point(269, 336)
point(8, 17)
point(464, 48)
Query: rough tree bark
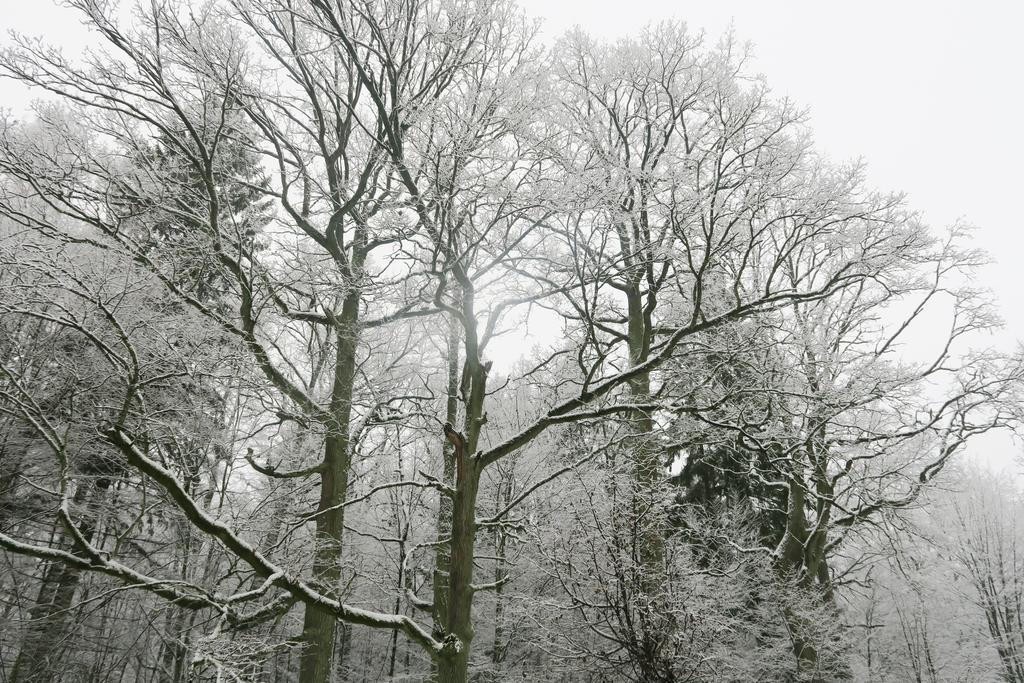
point(319, 626)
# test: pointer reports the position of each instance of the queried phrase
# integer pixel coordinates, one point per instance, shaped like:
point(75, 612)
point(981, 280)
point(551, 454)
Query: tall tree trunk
point(442, 557)
point(455, 669)
point(319, 627)
point(653, 624)
point(459, 618)
point(646, 458)
point(790, 563)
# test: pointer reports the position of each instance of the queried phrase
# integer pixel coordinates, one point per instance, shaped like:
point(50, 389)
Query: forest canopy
point(381, 340)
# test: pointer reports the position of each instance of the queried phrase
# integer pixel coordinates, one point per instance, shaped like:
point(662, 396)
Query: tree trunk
point(319, 627)
point(444, 503)
point(646, 458)
point(802, 552)
point(459, 617)
point(454, 669)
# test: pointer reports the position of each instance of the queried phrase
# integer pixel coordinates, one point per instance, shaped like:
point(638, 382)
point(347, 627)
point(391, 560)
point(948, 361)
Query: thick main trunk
point(455, 669)
point(802, 555)
point(647, 470)
point(319, 627)
point(459, 618)
point(790, 563)
point(637, 517)
point(442, 558)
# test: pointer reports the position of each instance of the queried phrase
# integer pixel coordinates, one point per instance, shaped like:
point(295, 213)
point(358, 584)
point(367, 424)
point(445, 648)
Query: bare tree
point(283, 238)
point(986, 552)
